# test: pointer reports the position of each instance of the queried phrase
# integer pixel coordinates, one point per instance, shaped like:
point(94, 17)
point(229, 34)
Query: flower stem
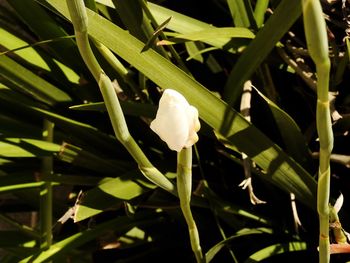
point(317, 41)
point(79, 18)
point(184, 188)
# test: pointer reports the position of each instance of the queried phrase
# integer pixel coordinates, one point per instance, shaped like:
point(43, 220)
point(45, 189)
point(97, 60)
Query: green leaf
point(280, 168)
point(259, 11)
point(195, 51)
point(22, 147)
point(207, 35)
point(110, 194)
point(276, 249)
point(70, 179)
point(129, 108)
point(241, 12)
point(155, 34)
point(187, 25)
point(45, 27)
point(88, 160)
point(287, 12)
point(92, 137)
point(348, 45)
point(19, 187)
point(29, 83)
point(226, 208)
point(26, 51)
point(11, 126)
point(131, 15)
point(14, 238)
point(293, 138)
point(63, 247)
point(247, 232)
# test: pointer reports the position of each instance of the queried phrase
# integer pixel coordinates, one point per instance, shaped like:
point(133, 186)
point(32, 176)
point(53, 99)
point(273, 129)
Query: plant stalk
point(80, 22)
point(184, 188)
point(317, 42)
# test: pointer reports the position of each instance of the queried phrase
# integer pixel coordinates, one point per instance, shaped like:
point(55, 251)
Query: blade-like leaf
point(108, 194)
point(217, 247)
point(210, 34)
point(242, 13)
point(43, 25)
point(293, 138)
point(62, 247)
point(88, 160)
point(27, 52)
point(22, 147)
point(275, 250)
point(287, 12)
point(129, 108)
point(82, 131)
point(29, 83)
point(131, 14)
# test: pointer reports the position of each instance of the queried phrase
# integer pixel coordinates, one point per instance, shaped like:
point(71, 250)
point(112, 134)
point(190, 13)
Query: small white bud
point(177, 121)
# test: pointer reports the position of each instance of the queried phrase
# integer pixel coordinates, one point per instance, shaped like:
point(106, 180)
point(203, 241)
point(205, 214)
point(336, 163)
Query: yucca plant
point(85, 179)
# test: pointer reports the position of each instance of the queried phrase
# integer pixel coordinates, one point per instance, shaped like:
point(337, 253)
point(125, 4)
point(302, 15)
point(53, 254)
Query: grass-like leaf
point(210, 34)
point(110, 194)
point(29, 83)
point(293, 138)
point(22, 147)
point(122, 223)
point(277, 25)
point(217, 247)
point(43, 25)
point(275, 250)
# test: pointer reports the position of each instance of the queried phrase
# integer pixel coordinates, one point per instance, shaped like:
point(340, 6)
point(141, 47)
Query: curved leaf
point(287, 12)
point(29, 83)
point(110, 193)
point(23, 147)
point(275, 250)
point(122, 223)
point(293, 139)
point(217, 247)
point(207, 35)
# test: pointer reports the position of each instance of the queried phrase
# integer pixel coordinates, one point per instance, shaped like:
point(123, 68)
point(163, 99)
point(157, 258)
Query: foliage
point(207, 56)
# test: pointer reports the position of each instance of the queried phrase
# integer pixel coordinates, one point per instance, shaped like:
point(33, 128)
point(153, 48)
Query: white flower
point(177, 121)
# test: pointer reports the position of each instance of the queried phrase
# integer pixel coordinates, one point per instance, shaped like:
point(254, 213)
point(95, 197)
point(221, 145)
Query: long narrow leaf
point(31, 84)
point(275, 250)
point(217, 247)
point(212, 33)
point(293, 139)
point(60, 248)
point(22, 147)
point(45, 28)
point(287, 12)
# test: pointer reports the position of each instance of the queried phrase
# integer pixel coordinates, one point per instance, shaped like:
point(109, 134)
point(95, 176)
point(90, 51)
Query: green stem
point(120, 69)
point(317, 41)
point(184, 188)
point(79, 19)
point(113, 60)
point(46, 191)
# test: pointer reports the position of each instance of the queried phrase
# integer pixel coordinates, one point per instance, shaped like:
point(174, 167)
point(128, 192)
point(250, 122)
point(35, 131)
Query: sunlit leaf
point(276, 249)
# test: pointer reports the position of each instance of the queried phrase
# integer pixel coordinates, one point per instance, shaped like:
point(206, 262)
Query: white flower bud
point(177, 121)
